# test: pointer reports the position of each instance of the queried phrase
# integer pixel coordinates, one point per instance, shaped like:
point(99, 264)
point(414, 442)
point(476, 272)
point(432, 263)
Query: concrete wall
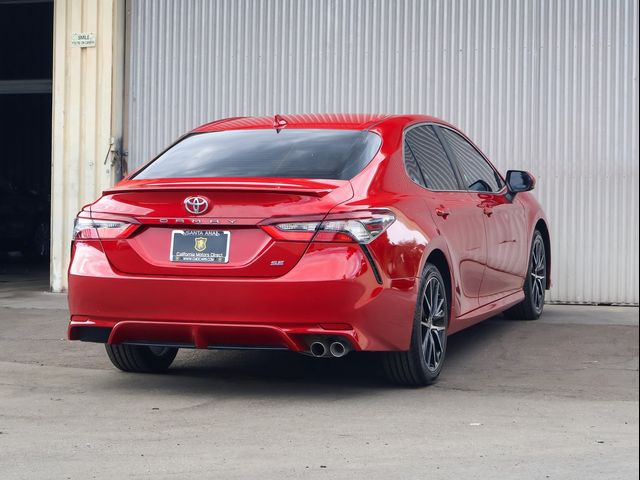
point(87, 115)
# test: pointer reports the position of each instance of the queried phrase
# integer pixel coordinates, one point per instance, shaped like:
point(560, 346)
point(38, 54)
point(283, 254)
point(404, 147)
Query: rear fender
point(439, 244)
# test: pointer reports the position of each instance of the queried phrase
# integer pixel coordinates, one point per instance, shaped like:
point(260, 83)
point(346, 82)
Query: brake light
point(89, 228)
point(360, 227)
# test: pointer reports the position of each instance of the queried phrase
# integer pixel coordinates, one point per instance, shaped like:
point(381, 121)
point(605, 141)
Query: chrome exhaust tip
point(338, 349)
point(318, 349)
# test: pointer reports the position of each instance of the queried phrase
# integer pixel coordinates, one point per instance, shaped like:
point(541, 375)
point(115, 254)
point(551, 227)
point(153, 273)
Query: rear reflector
point(359, 227)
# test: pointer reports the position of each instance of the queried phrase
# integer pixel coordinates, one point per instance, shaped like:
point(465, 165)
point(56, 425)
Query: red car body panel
point(278, 294)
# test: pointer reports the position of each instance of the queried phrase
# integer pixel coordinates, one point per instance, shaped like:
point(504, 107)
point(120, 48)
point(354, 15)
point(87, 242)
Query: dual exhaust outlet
point(336, 348)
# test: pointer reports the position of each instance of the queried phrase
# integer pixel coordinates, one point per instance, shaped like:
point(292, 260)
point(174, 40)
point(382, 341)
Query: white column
point(87, 114)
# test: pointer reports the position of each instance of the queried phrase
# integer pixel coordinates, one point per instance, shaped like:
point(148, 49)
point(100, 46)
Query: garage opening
point(26, 62)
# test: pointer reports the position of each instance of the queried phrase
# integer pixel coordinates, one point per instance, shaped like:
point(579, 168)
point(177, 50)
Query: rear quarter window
point(289, 153)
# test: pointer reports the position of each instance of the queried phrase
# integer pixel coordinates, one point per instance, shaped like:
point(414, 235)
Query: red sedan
point(321, 234)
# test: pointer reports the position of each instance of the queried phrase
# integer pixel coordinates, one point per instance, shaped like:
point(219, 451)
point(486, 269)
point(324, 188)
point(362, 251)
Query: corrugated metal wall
point(548, 86)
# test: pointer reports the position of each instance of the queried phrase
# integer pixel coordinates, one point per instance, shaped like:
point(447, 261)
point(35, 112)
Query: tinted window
point(477, 174)
point(431, 158)
point(294, 153)
point(412, 166)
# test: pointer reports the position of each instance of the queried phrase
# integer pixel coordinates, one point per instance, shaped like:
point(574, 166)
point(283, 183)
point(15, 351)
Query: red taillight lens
point(293, 231)
point(360, 227)
point(88, 228)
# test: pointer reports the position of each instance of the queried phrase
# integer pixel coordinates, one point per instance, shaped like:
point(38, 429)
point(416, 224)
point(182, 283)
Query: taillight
point(89, 228)
point(360, 227)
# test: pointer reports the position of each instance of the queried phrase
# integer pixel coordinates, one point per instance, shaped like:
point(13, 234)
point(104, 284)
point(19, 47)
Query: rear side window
point(477, 174)
point(430, 156)
point(294, 153)
point(412, 166)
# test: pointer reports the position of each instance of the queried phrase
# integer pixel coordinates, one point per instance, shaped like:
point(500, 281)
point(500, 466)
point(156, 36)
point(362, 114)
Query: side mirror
point(520, 181)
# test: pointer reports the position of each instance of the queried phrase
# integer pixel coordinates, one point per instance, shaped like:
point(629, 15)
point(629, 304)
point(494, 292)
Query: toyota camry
point(319, 234)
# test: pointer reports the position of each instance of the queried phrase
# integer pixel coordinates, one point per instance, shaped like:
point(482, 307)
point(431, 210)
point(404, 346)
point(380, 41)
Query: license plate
point(200, 246)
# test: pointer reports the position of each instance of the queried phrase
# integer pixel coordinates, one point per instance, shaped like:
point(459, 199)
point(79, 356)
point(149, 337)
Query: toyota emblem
point(196, 205)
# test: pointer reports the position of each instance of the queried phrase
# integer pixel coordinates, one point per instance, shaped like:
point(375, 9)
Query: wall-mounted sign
point(83, 39)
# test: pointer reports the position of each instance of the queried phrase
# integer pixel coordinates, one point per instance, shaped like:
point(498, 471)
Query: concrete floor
point(556, 398)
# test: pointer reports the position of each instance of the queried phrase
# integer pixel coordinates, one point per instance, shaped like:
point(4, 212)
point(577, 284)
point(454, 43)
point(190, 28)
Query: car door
point(504, 218)
point(453, 210)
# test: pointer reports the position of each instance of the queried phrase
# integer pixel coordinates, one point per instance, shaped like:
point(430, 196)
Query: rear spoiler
point(304, 187)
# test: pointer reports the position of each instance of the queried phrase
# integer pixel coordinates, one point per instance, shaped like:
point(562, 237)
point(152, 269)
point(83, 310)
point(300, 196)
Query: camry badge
point(196, 205)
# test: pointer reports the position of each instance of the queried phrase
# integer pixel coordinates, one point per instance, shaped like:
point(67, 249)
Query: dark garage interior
point(26, 41)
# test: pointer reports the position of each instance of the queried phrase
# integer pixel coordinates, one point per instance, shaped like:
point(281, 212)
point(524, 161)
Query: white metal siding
point(547, 86)
point(86, 114)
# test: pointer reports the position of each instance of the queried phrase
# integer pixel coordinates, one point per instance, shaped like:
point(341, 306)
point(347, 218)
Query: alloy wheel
point(538, 274)
point(433, 323)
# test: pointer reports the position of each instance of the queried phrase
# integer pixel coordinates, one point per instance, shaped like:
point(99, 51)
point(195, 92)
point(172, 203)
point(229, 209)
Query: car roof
point(344, 121)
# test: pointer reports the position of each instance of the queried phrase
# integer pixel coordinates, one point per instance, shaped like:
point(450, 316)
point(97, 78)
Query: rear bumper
point(207, 335)
point(331, 292)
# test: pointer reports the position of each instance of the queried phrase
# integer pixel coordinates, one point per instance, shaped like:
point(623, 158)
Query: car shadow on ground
point(248, 373)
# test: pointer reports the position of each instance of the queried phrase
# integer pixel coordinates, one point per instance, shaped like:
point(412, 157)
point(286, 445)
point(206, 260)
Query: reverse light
point(88, 228)
point(360, 227)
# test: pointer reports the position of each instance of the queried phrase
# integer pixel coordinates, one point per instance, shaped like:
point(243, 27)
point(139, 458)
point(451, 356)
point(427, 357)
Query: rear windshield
point(295, 153)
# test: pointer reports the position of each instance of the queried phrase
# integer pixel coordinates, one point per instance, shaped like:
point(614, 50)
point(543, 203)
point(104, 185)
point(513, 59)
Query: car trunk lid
point(236, 206)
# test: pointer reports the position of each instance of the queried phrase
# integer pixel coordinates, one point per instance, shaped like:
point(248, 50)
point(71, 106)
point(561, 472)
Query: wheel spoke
point(434, 348)
point(425, 343)
point(439, 311)
point(429, 348)
point(437, 340)
point(539, 302)
point(433, 297)
point(434, 364)
point(427, 297)
point(537, 294)
point(425, 303)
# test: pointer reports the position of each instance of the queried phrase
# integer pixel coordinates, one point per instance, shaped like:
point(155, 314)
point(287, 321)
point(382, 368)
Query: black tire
point(141, 359)
point(422, 363)
point(535, 284)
